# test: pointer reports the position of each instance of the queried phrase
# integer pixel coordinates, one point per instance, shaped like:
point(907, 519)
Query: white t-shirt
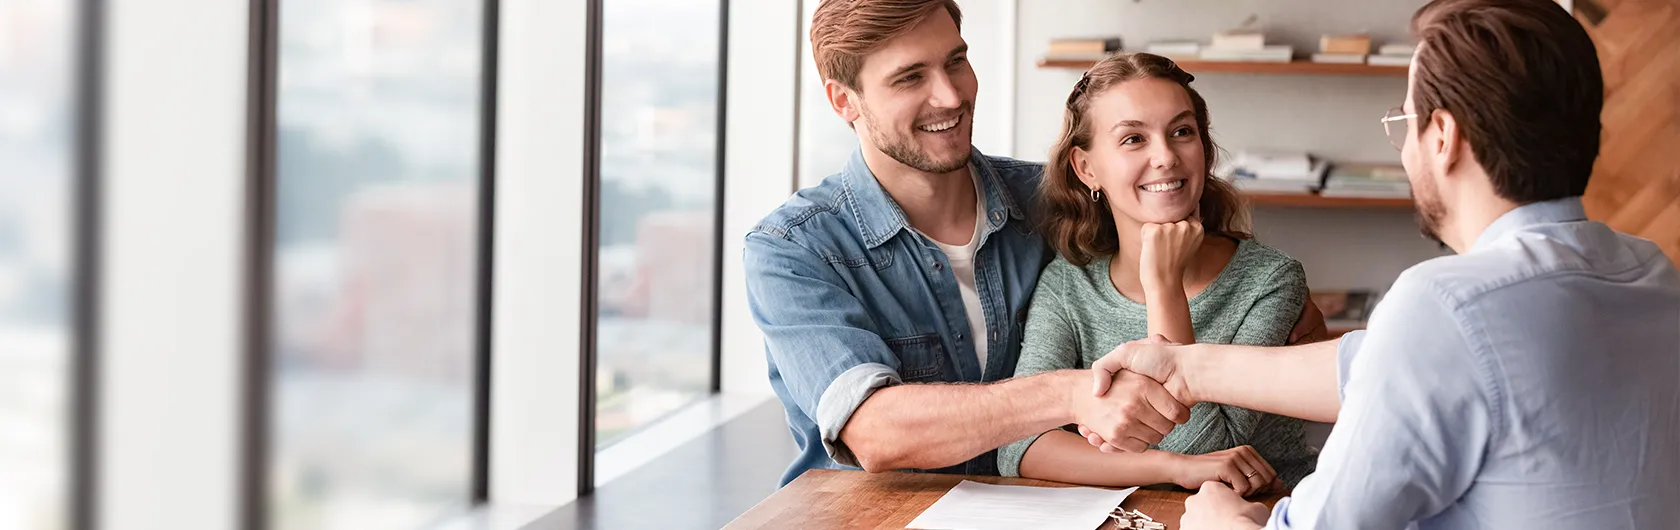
point(962, 266)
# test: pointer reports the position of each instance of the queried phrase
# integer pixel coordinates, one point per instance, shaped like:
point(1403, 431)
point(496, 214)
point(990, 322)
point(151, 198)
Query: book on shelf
point(1389, 60)
point(1270, 54)
point(1275, 187)
point(1287, 173)
point(1175, 50)
point(1406, 49)
point(1344, 308)
point(1345, 44)
point(1367, 181)
point(1239, 39)
point(1352, 193)
point(1083, 46)
point(1294, 165)
point(1339, 58)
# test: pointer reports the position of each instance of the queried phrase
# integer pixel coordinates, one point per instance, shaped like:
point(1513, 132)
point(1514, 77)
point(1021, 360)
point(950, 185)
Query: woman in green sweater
point(1149, 245)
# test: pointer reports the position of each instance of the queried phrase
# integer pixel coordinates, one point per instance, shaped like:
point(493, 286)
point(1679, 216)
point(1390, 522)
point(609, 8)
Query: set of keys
point(1134, 520)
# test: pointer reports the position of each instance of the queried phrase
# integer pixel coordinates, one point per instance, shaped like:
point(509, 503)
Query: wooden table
point(825, 498)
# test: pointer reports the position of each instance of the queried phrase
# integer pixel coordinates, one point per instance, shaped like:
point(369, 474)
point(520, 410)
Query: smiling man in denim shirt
point(913, 266)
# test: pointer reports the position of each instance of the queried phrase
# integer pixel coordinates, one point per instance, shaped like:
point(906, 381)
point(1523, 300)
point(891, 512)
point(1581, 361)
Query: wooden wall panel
point(1636, 182)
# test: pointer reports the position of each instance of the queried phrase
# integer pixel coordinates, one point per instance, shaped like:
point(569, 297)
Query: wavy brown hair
point(1081, 229)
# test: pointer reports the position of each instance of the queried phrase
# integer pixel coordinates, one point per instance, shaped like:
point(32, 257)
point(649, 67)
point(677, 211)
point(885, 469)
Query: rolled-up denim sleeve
point(818, 334)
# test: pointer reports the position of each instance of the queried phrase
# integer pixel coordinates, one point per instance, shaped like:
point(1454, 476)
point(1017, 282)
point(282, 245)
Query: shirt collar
point(1545, 212)
point(879, 217)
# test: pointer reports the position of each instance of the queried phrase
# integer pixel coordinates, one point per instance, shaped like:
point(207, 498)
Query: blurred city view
point(37, 58)
point(377, 245)
point(375, 294)
point(659, 92)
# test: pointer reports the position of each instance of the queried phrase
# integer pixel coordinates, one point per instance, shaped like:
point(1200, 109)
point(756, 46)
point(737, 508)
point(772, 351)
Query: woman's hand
point(1167, 249)
point(1240, 467)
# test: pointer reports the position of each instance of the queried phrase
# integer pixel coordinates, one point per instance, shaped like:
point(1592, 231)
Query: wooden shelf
point(1316, 201)
point(1251, 67)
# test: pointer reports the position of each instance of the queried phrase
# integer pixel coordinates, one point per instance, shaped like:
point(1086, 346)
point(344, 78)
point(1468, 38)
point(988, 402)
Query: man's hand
point(1154, 357)
point(1218, 507)
point(1135, 413)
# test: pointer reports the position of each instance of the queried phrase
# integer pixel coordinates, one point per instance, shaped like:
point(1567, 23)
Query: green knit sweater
point(1077, 317)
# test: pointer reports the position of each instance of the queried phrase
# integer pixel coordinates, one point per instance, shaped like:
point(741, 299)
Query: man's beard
point(1430, 213)
point(903, 148)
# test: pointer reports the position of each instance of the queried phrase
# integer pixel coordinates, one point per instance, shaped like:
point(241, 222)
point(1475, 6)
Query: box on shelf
point(1389, 60)
point(1345, 44)
point(1240, 39)
point(1406, 49)
point(1084, 46)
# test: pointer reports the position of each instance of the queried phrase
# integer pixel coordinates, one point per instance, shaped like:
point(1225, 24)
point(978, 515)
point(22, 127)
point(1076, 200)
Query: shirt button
point(938, 266)
point(997, 216)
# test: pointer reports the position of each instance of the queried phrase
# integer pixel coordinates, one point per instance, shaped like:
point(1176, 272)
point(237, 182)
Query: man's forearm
point(1295, 381)
point(938, 425)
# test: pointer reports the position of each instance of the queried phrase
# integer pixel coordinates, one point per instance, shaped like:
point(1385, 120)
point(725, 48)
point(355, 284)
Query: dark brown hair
point(1081, 229)
point(1521, 78)
point(843, 32)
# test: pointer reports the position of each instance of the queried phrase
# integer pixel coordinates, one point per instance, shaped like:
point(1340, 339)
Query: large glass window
point(37, 55)
point(375, 262)
point(658, 235)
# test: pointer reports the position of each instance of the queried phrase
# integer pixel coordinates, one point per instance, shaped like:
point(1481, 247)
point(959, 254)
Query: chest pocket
point(920, 358)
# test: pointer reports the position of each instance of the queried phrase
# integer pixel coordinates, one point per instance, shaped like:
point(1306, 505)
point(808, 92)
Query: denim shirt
point(851, 299)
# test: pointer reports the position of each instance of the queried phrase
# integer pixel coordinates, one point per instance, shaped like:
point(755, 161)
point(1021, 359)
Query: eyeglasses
point(1396, 132)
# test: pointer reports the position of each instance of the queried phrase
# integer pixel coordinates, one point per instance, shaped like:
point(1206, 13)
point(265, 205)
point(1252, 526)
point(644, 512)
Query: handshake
point(1138, 395)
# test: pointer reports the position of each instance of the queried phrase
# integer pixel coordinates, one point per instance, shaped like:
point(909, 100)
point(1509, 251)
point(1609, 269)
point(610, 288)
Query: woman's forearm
point(1169, 314)
point(1065, 457)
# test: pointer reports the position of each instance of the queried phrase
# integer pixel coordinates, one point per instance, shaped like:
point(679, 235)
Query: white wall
point(1330, 116)
point(173, 226)
point(539, 179)
point(758, 164)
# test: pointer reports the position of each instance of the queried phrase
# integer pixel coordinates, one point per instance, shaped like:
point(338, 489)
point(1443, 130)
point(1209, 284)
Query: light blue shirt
point(1532, 382)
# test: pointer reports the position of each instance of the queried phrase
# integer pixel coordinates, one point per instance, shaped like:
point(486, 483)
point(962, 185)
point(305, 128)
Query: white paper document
point(979, 506)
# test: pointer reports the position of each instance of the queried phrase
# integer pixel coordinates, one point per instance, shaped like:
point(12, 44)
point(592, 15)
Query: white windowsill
point(671, 432)
point(622, 457)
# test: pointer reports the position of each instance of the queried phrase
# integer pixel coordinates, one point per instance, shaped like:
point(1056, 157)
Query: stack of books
point(1342, 49)
point(1393, 55)
point(1367, 181)
point(1177, 50)
point(1245, 45)
point(1290, 173)
point(1082, 49)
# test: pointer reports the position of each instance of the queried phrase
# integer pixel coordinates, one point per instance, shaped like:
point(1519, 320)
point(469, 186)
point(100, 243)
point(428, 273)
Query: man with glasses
point(1533, 380)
